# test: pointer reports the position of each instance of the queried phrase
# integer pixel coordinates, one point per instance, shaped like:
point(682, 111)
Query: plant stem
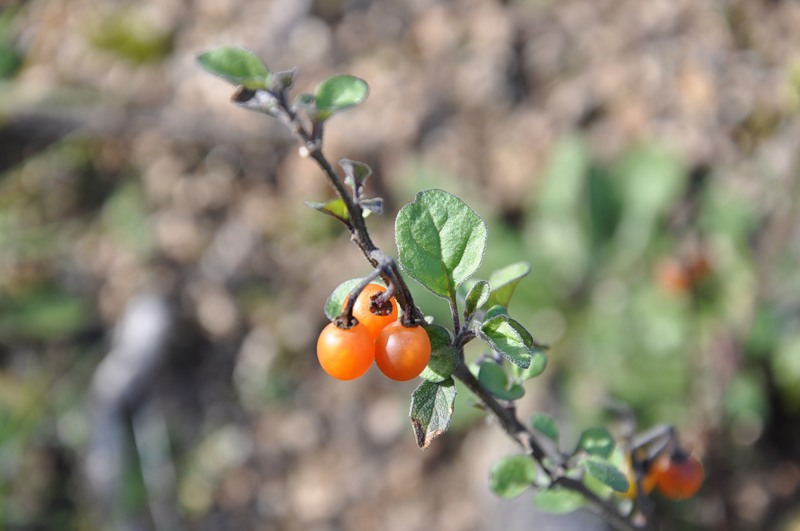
point(542, 450)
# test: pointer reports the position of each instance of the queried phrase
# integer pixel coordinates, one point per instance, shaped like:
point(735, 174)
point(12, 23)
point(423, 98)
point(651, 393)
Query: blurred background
point(162, 283)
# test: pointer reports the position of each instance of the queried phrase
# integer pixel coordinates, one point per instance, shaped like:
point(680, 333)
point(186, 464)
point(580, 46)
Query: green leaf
point(431, 410)
point(476, 298)
point(355, 173)
point(545, 425)
point(607, 474)
point(511, 476)
point(537, 366)
point(43, 313)
point(506, 340)
point(596, 441)
point(558, 501)
point(440, 240)
point(505, 280)
point(494, 311)
point(604, 208)
point(236, 65)
point(334, 208)
point(494, 379)
point(443, 355)
point(651, 179)
point(338, 93)
point(333, 306)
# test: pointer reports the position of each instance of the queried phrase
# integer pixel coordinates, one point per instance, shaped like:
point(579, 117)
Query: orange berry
point(401, 352)
point(345, 354)
point(369, 314)
point(673, 277)
point(679, 476)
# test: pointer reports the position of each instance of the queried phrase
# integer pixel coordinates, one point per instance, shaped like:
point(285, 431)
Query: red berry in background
point(679, 476)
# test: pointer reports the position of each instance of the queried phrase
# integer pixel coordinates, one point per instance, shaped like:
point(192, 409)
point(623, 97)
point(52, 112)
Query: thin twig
point(540, 449)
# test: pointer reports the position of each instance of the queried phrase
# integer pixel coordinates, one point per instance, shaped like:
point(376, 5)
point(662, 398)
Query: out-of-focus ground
point(643, 156)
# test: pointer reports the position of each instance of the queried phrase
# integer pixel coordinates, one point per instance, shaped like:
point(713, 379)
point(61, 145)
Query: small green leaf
point(545, 425)
point(511, 476)
point(431, 410)
point(334, 208)
point(440, 240)
point(505, 339)
point(505, 280)
point(355, 173)
point(596, 441)
point(476, 298)
point(236, 65)
point(494, 311)
point(443, 355)
point(333, 306)
point(338, 93)
point(607, 474)
point(524, 334)
point(494, 379)
point(537, 366)
point(558, 501)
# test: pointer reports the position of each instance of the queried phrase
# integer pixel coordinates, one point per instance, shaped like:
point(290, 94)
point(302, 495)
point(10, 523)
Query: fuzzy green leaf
point(506, 340)
point(494, 311)
point(606, 474)
point(558, 501)
point(545, 425)
point(443, 355)
point(476, 298)
point(431, 410)
point(504, 281)
point(236, 65)
point(511, 476)
point(596, 441)
point(537, 366)
point(338, 93)
point(333, 306)
point(494, 379)
point(440, 240)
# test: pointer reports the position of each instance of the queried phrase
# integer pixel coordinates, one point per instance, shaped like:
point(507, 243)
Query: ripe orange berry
point(673, 277)
point(679, 476)
point(401, 352)
point(369, 313)
point(345, 354)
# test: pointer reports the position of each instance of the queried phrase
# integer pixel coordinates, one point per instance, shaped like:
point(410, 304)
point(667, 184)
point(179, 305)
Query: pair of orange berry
point(400, 352)
point(676, 476)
